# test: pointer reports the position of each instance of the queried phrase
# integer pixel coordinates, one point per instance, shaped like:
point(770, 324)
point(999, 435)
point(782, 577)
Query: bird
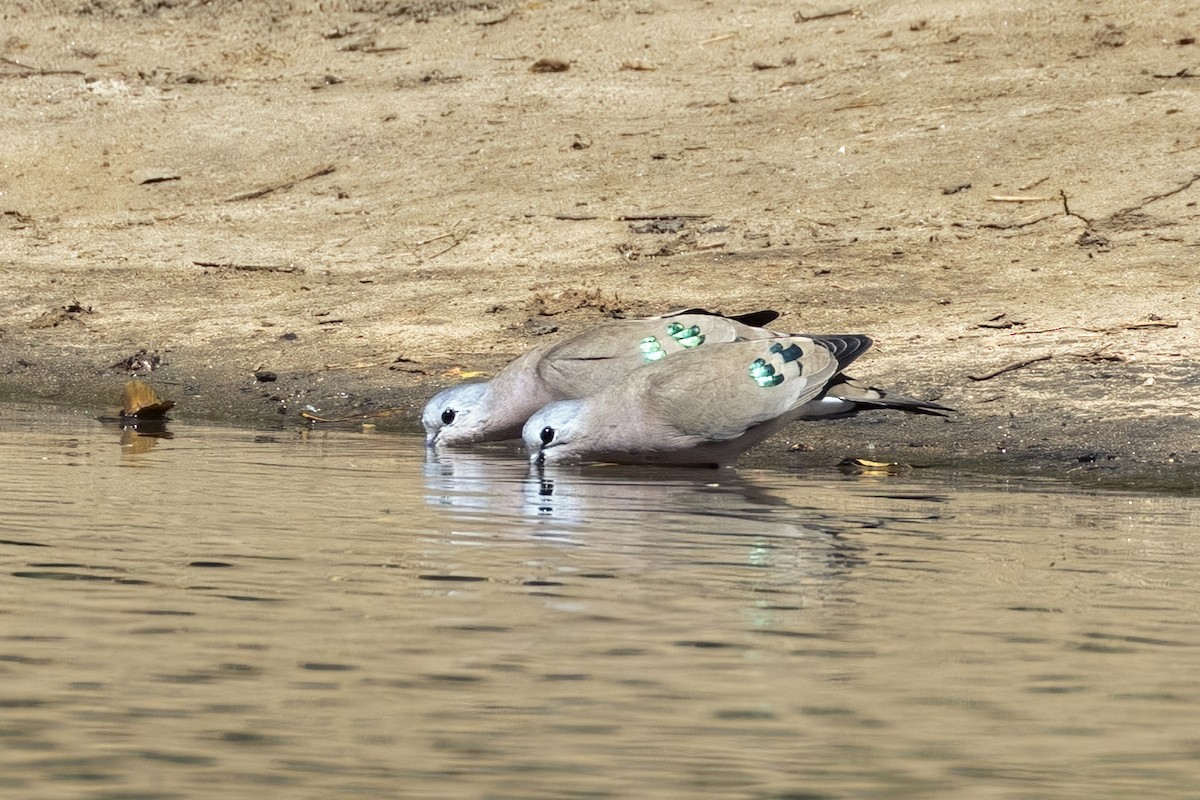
point(594, 359)
point(700, 408)
point(575, 367)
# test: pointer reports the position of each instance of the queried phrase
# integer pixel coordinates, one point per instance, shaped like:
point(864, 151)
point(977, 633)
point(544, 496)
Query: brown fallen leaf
point(138, 399)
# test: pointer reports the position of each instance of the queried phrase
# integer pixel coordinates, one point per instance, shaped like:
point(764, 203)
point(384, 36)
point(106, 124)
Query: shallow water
point(294, 614)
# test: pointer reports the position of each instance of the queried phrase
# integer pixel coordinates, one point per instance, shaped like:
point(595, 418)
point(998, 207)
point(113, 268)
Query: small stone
point(550, 65)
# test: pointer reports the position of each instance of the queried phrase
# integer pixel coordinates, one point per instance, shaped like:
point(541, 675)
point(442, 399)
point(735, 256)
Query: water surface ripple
point(311, 614)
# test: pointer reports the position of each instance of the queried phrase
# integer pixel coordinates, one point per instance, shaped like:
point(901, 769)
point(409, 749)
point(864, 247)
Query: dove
point(594, 359)
point(578, 366)
point(698, 408)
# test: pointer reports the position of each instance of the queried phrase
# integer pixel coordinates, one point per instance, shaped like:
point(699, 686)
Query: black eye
point(448, 416)
point(547, 435)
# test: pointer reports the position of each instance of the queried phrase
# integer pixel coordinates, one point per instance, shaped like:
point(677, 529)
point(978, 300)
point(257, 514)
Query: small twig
point(1017, 198)
point(374, 51)
point(1009, 368)
point(277, 186)
point(1183, 73)
point(435, 238)
point(800, 16)
point(1032, 184)
point(459, 236)
point(1134, 326)
point(627, 217)
point(1138, 206)
point(459, 240)
point(1161, 323)
point(1044, 330)
point(1156, 197)
point(720, 38)
point(248, 267)
point(31, 71)
point(646, 217)
point(497, 20)
point(1003, 226)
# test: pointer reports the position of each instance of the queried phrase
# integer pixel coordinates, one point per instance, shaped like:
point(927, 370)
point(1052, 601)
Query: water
point(232, 613)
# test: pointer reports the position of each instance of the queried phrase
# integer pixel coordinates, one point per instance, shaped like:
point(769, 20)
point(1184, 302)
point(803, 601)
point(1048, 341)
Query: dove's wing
point(580, 366)
point(596, 359)
point(699, 407)
point(721, 394)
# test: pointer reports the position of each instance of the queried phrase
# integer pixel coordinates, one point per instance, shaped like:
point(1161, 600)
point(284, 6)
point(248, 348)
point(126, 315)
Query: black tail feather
point(845, 347)
point(755, 319)
point(908, 404)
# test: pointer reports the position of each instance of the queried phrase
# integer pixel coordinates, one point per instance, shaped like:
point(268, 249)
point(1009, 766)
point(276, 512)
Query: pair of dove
point(686, 388)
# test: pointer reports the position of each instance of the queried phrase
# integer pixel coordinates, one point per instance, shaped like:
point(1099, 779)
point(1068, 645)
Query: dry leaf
point(138, 399)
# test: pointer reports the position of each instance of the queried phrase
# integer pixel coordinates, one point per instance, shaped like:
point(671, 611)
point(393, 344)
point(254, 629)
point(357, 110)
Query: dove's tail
point(846, 396)
point(845, 347)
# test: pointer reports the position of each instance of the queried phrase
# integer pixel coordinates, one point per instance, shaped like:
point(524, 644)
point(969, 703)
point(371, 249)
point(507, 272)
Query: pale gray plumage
point(590, 361)
point(575, 367)
point(703, 407)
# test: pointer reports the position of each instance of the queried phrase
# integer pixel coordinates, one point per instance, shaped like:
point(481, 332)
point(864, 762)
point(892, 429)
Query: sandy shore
point(369, 199)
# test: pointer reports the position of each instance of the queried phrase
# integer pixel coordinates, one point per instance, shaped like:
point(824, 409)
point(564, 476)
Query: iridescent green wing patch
point(766, 375)
point(789, 354)
point(688, 337)
point(651, 349)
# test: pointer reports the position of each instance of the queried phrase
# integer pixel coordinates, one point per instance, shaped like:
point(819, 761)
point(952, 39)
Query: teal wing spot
point(687, 337)
point(791, 353)
point(764, 374)
point(651, 349)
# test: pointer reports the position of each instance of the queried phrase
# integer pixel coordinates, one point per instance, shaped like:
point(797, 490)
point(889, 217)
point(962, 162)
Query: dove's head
point(555, 433)
point(457, 416)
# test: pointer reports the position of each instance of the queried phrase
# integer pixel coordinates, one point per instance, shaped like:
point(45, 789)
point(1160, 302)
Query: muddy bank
point(1150, 454)
point(369, 199)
